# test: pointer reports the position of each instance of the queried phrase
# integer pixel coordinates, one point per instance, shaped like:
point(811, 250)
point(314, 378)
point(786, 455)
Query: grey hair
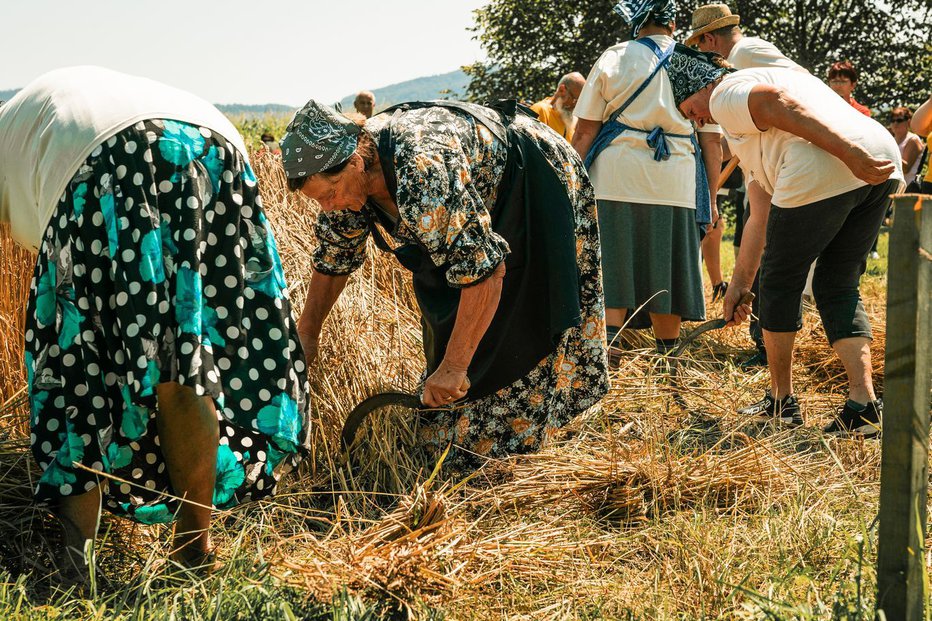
point(575, 76)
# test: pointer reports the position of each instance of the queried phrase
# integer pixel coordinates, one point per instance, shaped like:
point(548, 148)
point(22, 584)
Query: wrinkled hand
point(310, 343)
point(732, 311)
point(868, 168)
point(445, 385)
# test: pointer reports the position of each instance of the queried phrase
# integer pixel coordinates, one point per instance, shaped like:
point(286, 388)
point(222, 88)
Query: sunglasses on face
point(898, 120)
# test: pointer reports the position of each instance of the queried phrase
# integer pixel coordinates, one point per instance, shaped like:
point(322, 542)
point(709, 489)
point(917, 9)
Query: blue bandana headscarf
point(691, 71)
point(636, 12)
point(317, 138)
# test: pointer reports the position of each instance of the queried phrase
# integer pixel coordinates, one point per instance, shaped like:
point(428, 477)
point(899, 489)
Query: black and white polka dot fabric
point(159, 265)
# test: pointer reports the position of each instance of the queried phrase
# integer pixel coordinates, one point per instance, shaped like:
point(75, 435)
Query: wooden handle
point(729, 168)
point(747, 298)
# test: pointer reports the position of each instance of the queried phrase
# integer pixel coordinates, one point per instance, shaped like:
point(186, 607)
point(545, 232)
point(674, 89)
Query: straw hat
point(710, 17)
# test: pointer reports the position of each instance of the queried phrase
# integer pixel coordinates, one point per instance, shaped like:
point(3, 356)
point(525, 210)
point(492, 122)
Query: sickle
point(712, 324)
point(375, 402)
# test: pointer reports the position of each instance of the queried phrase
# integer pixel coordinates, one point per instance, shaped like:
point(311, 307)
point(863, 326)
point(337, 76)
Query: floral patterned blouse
point(448, 167)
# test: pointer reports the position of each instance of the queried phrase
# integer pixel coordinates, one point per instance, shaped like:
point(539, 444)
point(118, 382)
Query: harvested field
point(642, 509)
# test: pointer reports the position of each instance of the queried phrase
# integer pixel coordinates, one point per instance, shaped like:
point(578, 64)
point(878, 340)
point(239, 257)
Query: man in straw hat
point(829, 171)
point(716, 29)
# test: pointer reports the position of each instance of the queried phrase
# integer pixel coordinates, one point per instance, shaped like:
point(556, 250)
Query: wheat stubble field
point(642, 509)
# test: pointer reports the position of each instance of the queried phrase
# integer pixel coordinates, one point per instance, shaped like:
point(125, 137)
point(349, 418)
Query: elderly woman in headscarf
point(494, 215)
point(650, 179)
point(162, 356)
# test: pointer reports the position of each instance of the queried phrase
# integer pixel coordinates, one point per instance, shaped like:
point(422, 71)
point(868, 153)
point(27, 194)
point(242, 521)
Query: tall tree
point(530, 43)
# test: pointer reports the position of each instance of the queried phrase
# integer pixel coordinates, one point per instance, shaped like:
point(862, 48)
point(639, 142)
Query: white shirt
point(793, 170)
point(914, 169)
point(751, 52)
point(626, 171)
point(51, 126)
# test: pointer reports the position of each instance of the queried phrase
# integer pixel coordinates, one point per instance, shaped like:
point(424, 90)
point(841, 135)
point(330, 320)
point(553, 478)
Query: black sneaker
point(757, 360)
point(785, 410)
point(865, 423)
point(718, 291)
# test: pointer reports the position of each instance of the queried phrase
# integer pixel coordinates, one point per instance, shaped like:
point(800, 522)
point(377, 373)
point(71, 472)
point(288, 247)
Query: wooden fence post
point(905, 445)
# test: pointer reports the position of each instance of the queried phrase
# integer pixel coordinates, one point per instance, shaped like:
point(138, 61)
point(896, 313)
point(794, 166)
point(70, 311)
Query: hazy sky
point(238, 51)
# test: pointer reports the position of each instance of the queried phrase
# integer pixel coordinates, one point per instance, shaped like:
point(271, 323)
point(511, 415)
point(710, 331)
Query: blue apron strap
point(663, 59)
point(612, 128)
point(703, 198)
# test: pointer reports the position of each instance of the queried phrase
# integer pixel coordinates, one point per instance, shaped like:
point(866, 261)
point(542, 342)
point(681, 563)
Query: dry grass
point(642, 508)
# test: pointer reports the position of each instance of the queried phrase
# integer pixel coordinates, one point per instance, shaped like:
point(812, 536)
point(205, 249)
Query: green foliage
point(251, 127)
point(531, 43)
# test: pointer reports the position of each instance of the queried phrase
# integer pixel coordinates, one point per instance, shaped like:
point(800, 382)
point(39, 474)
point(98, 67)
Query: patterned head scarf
point(690, 71)
point(317, 138)
point(636, 12)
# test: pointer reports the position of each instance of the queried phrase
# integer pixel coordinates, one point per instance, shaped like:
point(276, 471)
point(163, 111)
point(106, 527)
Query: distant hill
point(450, 85)
point(255, 109)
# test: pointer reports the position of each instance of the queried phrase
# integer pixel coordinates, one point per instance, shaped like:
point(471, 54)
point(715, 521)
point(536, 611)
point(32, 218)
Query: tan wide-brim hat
point(710, 17)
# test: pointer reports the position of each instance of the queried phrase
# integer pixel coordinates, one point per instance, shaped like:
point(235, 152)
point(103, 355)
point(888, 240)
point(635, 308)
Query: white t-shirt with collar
point(793, 170)
point(50, 127)
point(626, 170)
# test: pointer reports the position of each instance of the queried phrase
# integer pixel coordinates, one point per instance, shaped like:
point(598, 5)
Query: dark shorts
point(837, 231)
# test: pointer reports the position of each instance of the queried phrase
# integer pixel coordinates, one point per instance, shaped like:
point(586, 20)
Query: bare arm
point(911, 153)
point(476, 309)
point(770, 106)
point(726, 150)
point(921, 122)
point(711, 144)
point(752, 248)
point(322, 294)
point(585, 134)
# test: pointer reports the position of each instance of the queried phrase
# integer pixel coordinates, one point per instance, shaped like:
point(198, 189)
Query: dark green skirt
point(650, 257)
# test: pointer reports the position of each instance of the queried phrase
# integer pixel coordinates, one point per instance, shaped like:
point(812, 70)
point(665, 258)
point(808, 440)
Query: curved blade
point(712, 324)
point(375, 402)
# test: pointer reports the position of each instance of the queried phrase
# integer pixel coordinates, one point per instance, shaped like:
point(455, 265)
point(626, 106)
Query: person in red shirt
point(843, 78)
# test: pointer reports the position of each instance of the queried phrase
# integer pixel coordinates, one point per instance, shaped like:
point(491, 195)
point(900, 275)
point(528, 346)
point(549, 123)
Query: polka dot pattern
point(160, 266)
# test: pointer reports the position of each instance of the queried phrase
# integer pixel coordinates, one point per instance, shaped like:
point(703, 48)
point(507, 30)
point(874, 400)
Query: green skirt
point(650, 257)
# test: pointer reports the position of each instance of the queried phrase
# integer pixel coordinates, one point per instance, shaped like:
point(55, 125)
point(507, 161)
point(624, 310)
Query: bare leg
point(189, 433)
point(855, 354)
point(665, 326)
point(80, 517)
point(81, 514)
point(615, 316)
point(712, 253)
point(780, 360)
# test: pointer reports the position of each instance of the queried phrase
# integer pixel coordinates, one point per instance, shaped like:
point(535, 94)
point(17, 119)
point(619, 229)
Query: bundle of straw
point(636, 482)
